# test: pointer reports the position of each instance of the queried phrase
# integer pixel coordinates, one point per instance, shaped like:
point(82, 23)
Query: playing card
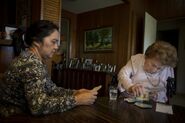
point(143, 105)
point(96, 88)
point(130, 100)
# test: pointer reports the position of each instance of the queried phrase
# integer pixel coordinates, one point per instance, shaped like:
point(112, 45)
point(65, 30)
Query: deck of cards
point(142, 103)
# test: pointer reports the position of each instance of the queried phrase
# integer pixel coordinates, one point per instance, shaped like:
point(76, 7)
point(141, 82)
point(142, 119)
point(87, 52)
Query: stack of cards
point(143, 105)
point(139, 102)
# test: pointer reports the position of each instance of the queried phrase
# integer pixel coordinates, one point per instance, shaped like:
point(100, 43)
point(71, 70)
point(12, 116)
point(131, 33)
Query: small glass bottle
point(113, 89)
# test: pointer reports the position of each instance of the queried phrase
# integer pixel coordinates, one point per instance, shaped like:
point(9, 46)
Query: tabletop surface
point(104, 111)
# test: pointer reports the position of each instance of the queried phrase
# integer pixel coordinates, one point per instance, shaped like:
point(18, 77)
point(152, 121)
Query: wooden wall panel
point(118, 18)
point(73, 31)
point(51, 10)
point(8, 13)
point(35, 10)
point(137, 19)
point(23, 12)
point(166, 9)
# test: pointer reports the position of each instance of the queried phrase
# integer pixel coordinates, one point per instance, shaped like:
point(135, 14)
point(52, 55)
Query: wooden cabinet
point(4, 42)
point(78, 78)
point(6, 54)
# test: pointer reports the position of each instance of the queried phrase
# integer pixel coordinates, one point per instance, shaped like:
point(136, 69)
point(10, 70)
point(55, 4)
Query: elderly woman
point(27, 86)
point(148, 72)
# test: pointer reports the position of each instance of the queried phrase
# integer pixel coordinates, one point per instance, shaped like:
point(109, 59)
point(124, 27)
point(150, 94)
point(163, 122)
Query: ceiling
point(81, 6)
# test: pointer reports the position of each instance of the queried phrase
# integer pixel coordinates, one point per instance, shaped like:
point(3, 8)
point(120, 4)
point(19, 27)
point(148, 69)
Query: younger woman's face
point(49, 45)
point(152, 65)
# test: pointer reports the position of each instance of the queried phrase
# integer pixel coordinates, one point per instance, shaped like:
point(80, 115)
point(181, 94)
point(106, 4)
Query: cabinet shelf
point(5, 42)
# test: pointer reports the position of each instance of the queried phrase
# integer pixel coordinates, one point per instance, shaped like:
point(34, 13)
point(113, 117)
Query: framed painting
point(99, 39)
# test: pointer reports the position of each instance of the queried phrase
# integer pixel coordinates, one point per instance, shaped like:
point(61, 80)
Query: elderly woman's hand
point(136, 89)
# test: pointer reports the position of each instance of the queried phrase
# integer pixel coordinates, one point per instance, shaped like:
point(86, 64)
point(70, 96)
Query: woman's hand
point(85, 96)
point(136, 89)
point(153, 95)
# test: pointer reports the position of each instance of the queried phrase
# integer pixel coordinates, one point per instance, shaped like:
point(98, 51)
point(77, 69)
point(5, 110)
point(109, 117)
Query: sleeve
point(57, 91)
point(124, 76)
point(171, 72)
point(167, 72)
point(40, 100)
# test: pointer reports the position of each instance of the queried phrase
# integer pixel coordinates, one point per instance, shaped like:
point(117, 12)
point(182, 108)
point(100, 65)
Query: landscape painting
point(98, 39)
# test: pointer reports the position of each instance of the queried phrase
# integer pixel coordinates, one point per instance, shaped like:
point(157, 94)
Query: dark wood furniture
point(6, 54)
point(4, 42)
point(78, 78)
point(104, 111)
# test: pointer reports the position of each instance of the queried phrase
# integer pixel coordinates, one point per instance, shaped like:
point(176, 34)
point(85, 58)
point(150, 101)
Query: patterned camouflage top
point(27, 87)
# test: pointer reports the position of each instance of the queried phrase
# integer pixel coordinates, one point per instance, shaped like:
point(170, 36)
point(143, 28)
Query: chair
point(171, 88)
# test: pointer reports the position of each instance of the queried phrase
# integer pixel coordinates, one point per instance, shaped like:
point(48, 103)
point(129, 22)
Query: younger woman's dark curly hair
point(38, 31)
point(18, 42)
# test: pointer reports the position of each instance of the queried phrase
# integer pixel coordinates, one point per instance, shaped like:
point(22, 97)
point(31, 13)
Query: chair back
point(171, 88)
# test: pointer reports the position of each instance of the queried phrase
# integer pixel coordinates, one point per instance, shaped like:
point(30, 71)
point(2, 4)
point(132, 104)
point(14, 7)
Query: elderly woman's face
point(49, 45)
point(152, 65)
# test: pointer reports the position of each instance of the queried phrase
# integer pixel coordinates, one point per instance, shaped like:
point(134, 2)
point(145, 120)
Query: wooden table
point(104, 111)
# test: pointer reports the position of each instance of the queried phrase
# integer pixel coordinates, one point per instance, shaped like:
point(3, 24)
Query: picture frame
point(88, 61)
point(97, 68)
point(73, 62)
point(99, 39)
point(88, 64)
